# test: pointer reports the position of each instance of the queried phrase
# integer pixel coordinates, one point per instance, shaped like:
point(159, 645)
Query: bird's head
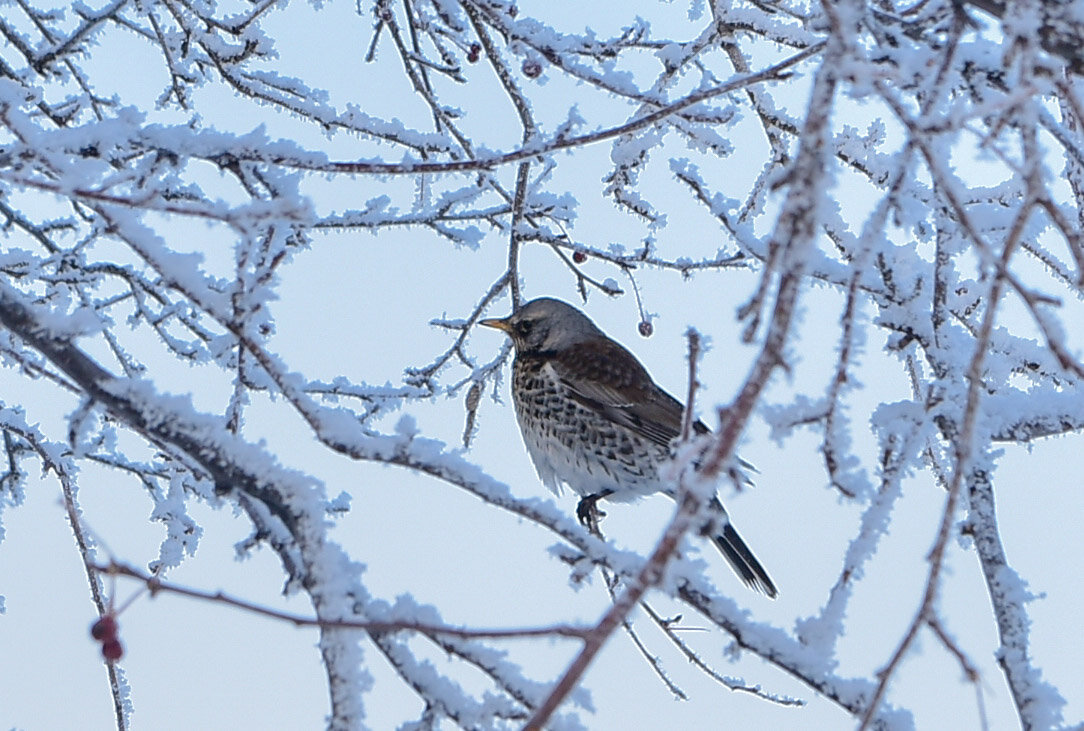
point(545, 324)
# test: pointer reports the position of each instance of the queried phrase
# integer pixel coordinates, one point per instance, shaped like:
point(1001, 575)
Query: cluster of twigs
point(90, 188)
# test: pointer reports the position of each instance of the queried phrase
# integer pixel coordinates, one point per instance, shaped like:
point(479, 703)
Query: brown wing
point(608, 379)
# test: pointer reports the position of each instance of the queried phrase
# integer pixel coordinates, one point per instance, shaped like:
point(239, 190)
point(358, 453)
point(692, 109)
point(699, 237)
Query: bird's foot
point(589, 514)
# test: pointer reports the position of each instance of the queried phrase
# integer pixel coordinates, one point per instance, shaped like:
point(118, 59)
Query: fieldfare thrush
point(592, 418)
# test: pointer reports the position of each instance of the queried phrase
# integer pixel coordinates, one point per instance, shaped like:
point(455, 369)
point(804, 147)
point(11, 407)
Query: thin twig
point(155, 585)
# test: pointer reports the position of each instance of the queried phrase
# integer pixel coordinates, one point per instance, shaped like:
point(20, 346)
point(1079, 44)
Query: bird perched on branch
point(592, 418)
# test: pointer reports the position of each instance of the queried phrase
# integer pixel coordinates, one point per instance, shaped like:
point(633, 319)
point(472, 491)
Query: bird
point(593, 419)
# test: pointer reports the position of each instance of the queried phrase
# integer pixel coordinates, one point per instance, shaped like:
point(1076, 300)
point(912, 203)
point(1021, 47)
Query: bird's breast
point(576, 445)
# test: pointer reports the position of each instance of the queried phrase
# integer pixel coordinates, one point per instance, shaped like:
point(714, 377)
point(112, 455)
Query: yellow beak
point(497, 323)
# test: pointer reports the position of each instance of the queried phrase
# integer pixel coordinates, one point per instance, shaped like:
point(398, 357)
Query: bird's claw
point(589, 514)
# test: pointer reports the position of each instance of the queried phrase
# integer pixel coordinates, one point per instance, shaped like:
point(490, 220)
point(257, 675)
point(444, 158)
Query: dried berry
point(104, 629)
point(579, 257)
point(112, 650)
point(646, 328)
point(532, 69)
point(474, 53)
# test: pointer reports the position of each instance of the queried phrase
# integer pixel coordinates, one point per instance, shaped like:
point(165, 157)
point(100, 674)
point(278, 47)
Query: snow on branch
point(871, 212)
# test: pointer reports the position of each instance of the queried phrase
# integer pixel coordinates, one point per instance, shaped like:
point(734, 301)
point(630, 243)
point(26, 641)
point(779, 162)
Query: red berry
point(474, 53)
point(112, 650)
point(105, 628)
point(579, 257)
point(646, 328)
point(532, 69)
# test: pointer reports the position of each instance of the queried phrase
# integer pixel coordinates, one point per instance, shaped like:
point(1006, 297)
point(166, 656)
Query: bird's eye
point(523, 327)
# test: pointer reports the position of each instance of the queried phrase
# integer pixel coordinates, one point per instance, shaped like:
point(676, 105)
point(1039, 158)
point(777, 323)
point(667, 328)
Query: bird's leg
point(589, 514)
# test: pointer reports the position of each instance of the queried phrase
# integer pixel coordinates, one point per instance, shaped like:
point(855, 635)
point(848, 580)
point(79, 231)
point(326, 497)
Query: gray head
point(546, 324)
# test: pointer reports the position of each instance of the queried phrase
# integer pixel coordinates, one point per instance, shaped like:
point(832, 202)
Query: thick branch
point(1037, 702)
point(230, 462)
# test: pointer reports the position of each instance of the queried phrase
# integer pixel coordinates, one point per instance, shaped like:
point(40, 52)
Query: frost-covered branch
point(1037, 702)
point(871, 189)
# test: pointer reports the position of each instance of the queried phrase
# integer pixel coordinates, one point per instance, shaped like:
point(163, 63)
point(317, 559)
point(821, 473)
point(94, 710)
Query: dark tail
point(742, 560)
